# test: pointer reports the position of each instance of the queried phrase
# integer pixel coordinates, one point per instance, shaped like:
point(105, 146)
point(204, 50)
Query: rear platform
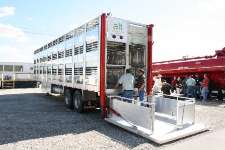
point(153, 121)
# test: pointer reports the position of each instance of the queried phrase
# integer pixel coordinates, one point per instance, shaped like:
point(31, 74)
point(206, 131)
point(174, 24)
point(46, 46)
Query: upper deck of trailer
point(78, 31)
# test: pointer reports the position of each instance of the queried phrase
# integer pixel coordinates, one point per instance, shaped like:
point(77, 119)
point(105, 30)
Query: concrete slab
point(20, 91)
point(210, 141)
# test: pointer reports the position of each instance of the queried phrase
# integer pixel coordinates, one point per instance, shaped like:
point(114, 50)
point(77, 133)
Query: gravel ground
point(31, 120)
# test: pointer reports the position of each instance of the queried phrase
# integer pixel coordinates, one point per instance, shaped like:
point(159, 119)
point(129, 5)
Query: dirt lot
point(31, 120)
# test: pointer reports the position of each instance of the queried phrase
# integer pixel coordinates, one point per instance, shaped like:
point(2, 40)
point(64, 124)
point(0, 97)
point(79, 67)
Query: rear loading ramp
point(161, 127)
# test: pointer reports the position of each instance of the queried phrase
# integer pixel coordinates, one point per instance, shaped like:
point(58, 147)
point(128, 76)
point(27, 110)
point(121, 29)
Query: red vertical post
point(102, 65)
point(149, 62)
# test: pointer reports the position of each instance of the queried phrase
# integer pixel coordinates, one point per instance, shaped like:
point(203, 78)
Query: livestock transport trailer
point(85, 65)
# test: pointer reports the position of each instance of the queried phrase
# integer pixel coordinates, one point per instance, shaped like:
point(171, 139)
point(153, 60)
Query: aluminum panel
point(134, 113)
point(186, 113)
point(165, 105)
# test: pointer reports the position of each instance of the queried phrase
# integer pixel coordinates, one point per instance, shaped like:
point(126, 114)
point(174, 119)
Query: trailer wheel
point(77, 102)
point(68, 98)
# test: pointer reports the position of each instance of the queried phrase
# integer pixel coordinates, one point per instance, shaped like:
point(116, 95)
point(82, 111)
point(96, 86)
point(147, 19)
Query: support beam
point(102, 66)
point(149, 58)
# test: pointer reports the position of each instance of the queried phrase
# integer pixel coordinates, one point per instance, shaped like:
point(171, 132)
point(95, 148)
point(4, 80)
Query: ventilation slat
point(91, 71)
point(49, 57)
point(49, 70)
point(68, 71)
point(54, 71)
point(54, 56)
point(81, 49)
point(61, 54)
point(76, 50)
point(68, 52)
point(91, 46)
point(60, 71)
point(78, 71)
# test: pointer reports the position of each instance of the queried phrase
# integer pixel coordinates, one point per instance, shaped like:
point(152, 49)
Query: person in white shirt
point(127, 81)
point(190, 86)
point(157, 84)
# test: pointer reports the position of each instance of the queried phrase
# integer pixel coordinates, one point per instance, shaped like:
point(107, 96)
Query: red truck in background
point(213, 65)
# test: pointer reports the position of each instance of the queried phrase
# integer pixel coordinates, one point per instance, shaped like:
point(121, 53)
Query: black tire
point(47, 94)
point(220, 95)
point(68, 98)
point(78, 102)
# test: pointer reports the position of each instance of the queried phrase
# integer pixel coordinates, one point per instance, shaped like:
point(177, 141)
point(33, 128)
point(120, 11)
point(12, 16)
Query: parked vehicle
point(85, 65)
point(214, 66)
point(16, 75)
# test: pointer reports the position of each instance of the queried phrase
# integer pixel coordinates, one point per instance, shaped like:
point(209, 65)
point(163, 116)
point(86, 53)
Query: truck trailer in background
point(213, 66)
point(16, 75)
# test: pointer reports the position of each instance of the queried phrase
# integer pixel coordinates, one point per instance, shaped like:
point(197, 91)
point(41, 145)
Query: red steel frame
point(214, 66)
point(149, 62)
point(102, 65)
point(192, 65)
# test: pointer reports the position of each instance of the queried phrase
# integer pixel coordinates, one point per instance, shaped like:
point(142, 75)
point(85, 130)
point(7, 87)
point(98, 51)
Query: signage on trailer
point(117, 30)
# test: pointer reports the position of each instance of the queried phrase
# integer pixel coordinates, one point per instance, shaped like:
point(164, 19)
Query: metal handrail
point(177, 97)
point(186, 99)
point(124, 99)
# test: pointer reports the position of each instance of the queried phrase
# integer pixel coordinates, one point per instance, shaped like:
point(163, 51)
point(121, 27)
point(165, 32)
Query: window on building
point(8, 68)
point(1, 67)
point(18, 68)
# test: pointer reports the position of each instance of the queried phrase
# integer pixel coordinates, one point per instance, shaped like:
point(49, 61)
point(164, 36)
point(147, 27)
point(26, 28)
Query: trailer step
point(163, 132)
point(8, 84)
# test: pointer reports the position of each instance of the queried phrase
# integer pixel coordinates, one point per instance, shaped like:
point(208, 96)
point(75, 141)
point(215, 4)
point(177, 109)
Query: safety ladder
point(8, 84)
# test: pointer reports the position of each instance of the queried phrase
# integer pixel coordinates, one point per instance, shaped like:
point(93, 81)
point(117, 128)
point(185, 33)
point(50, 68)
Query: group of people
point(197, 87)
point(190, 86)
point(130, 83)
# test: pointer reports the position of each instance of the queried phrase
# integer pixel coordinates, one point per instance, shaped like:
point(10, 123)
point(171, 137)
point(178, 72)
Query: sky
point(181, 27)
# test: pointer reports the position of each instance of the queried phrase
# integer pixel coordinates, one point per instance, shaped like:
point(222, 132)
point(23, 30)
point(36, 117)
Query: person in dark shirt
point(140, 84)
point(197, 86)
point(166, 87)
point(174, 82)
point(178, 85)
point(184, 85)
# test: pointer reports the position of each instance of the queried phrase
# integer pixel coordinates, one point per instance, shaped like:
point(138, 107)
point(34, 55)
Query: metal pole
point(149, 59)
point(102, 65)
